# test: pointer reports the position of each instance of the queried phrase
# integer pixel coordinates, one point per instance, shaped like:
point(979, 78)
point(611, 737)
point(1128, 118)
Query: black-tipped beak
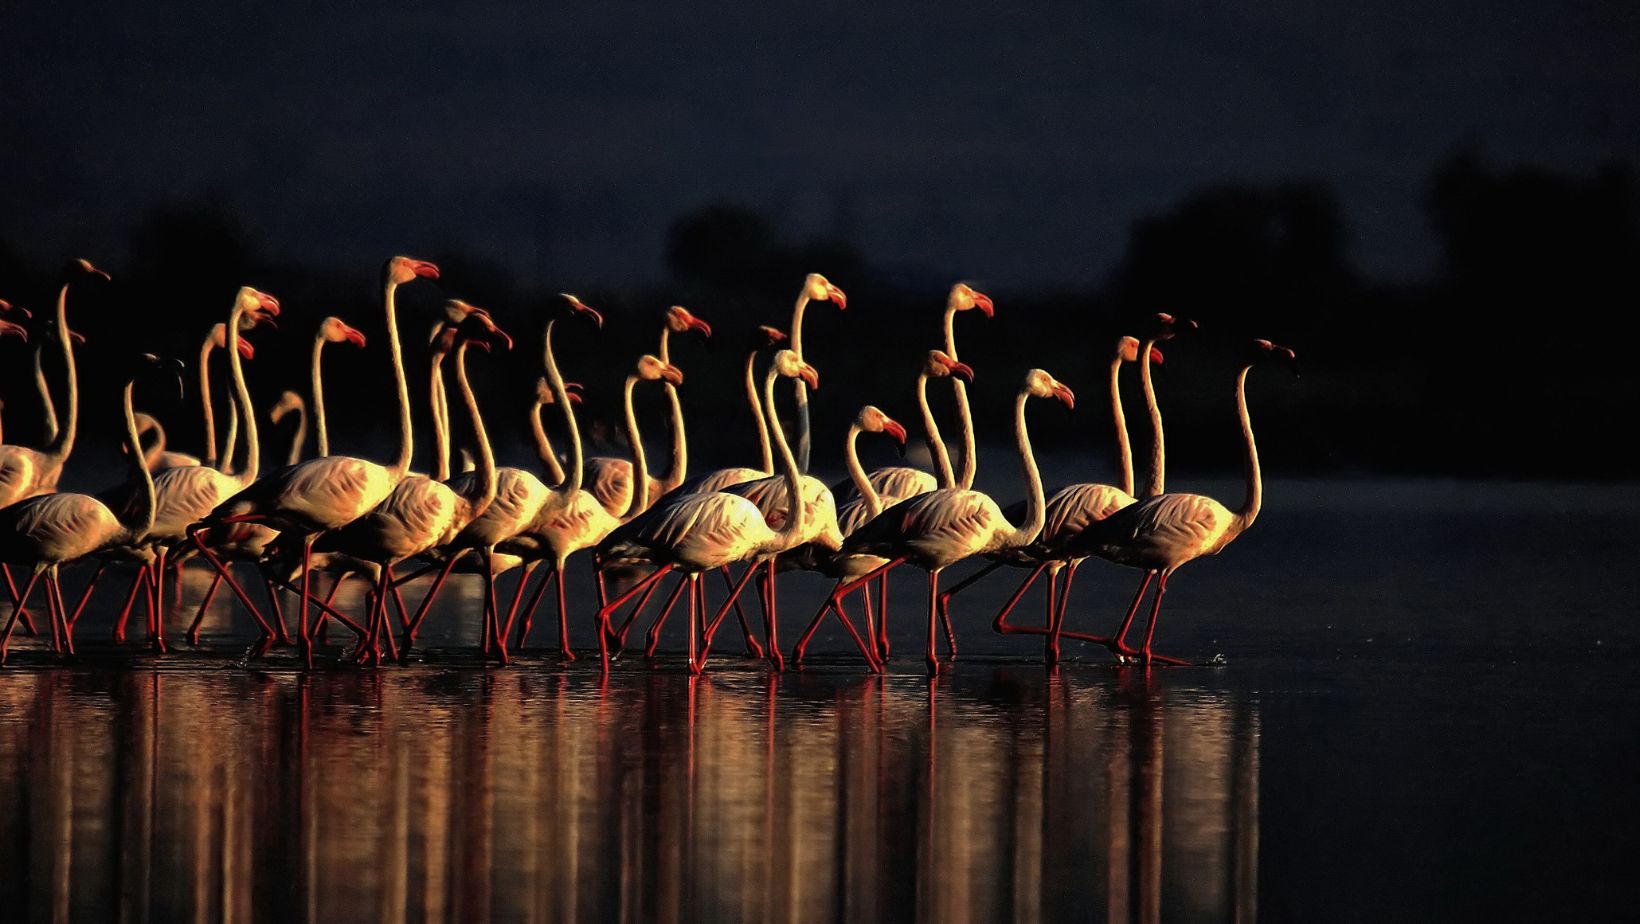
point(963, 371)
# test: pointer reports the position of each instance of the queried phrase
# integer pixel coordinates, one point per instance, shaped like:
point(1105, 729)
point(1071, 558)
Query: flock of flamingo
point(350, 517)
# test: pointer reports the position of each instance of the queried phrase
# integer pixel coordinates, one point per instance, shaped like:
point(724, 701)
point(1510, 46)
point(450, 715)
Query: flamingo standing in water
point(421, 514)
point(48, 531)
point(331, 491)
point(705, 532)
point(816, 288)
point(938, 529)
point(1072, 509)
point(611, 478)
point(1160, 534)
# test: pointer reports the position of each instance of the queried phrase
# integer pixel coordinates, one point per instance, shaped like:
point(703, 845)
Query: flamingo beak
point(597, 319)
point(1156, 356)
point(354, 337)
point(573, 397)
point(246, 351)
point(424, 269)
point(76, 337)
point(16, 330)
point(895, 429)
point(837, 296)
point(963, 371)
point(810, 376)
point(672, 374)
point(1065, 395)
point(8, 306)
point(983, 303)
point(700, 327)
point(86, 266)
point(267, 303)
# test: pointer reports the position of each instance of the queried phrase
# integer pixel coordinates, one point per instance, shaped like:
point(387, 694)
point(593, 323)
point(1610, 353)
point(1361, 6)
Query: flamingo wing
point(20, 469)
point(58, 528)
point(1163, 531)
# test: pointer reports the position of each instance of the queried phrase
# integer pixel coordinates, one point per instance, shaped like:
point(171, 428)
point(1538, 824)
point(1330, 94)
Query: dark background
point(1437, 207)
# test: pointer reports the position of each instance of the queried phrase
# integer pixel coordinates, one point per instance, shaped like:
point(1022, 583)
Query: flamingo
point(291, 403)
point(155, 455)
point(964, 298)
point(611, 478)
point(1160, 534)
point(528, 520)
point(47, 406)
point(938, 529)
point(331, 330)
point(26, 472)
point(816, 288)
point(705, 532)
point(330, 491)
point(1071, 509)
point(420, 514)
point(762, 339)
point(51, 530)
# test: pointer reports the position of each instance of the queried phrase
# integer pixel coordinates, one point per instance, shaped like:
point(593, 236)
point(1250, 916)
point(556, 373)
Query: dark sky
point(1012, 143)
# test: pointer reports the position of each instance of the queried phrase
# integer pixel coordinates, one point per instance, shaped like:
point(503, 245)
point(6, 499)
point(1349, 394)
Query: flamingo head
point(654, 369)
point(1127, 351)
point(939, 364)
point(1039, 384)
point(335, 330)
point(819, 289)
point(544, 393)
point(679, 320)
point(149, 364)
point(255, 307)
point(288, 402)
point(1264, 351)
point(15, 330)
point(963, 298)
point(8, 308)
point(83, 266)
point(764, 337)
point(872, 420)
point(1169, 326)
point(789, 365)
point(480, 330)
point(400, 270)
point(580, 309)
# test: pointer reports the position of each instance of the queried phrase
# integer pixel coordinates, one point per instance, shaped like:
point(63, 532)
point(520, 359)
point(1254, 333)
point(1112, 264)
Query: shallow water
point(1427, 711)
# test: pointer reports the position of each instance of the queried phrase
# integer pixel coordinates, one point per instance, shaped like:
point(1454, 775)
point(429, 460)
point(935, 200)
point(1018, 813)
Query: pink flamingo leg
point(205, 604)
point(85, 595)
point(753, 649)
point(1146, 656)
point(931, 655)
point(11, 590)
point(653, 637)
point(1117, 643)
point(138, 582)
point(564, 651)
point(497, 639)
point(709, 630)
point(194, 533)
point(158, 636)
point(602, 618)
point(54, 587)
point(529, 608)
point(882, 618)
point(697, 618)
point(517, 598)
point(22, 601)
point(427, 602)
point(303, 633)
point(619, 637)
point(771, 618)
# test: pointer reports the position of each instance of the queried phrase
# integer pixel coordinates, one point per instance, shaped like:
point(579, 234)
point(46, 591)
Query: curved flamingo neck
point(406, 434)
point(965, 416)
point(543, 446)
point(1158, 444)
point(322, 435)
point(64, 443)
point(46, 405)
point(936, 445)
point(1124, 449)
point(298, 441)
point(640, 463)
point(757, 415)
point(793, 527)
point(804, 439)
point(679, 464)
point(1035, 504)
point(484, 493)
point(230, 442)
point(253, 447)
point(205, 408)
point(555, 380)
point(441, 432)
point(1253, 499)
point(136, 523)
point(857, 472)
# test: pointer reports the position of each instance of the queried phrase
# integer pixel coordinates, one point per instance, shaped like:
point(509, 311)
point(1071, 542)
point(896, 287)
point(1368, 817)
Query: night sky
point(1012, 144)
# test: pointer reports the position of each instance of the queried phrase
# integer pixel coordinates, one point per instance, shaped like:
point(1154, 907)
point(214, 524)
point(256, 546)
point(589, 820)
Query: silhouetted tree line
point(1510, 360)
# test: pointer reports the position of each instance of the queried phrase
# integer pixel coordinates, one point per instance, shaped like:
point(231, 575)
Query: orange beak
point(591, 314)
point(983, 303)
point(354, 337)
point(16, 330)
point(810, 377)
point(246, 351)
point(424, 269)
point(699, 326)
point(963, 371)
point(1156, 356)
point(894, 429)
point(837, 296)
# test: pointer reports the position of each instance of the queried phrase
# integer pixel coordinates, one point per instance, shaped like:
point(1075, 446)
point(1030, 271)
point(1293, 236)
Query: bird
point(331, 330)
point(938, 529)
point(963, 298)
point(707, 531)
point(1072, 508)
point(26, 472)
point(420, 514)
point(48, 531)
point(47, 406)
point(763, 337)
point(329, 491)
point(816, 288)
point(291, 403)
point(611, 478)
point(1160, 534)
point(529, 521)
point(154, 453)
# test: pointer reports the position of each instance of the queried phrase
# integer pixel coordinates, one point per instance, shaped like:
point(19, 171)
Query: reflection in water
point(184, 793)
